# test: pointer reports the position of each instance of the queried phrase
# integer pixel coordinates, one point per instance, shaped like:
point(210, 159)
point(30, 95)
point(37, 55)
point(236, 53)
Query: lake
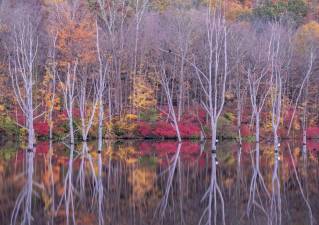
point(160, 182)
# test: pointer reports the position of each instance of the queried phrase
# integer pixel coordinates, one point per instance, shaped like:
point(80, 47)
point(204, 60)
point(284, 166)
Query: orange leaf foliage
point(75, 37)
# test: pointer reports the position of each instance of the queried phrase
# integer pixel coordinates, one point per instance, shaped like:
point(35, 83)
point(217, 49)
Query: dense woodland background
point(159, 69)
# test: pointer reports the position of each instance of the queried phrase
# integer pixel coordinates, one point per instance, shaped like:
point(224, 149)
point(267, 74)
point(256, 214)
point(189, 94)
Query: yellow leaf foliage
point(234, 10)
point(306, 36)
point(142, 181)
point(131, 117)
point(143, 96)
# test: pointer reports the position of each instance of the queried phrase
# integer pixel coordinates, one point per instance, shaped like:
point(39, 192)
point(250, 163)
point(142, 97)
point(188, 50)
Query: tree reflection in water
point(275, 207)
point(211, 194)
point(258, 193)
point(98, 193)
point(68, 190)
point(302, 192)
point(159, 183)
point(171, 171)
point(24, 199)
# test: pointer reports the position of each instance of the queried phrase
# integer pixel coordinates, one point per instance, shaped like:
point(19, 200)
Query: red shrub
point(189, 130)
point(164, 129)
point(165, 148)
point(313, 146)
point(145, 148)
point(41, 128)
point(190, 149)
point(313, 132)
point(145, 129)
point(247, 147)
point(42, 148)
point(245, 130)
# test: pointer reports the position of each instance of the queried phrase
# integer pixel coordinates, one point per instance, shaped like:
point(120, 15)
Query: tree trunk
point(100, 128)
point(257, 127)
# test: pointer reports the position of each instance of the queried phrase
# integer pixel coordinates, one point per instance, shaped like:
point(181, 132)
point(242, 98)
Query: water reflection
point(23, 202)
point(258, 193)
point(159, 183)
point(67, 199)
point(212, 194)
point(301, 188)
point(275, 207)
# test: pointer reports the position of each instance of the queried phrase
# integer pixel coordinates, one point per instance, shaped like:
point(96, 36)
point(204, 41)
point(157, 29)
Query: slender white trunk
point(257, 126)
point(103, 67)
point(181, 90)
point(68, 89)
point(304, 137)
point(214, 135)
point(239, 121)
point(31, 134)
point(171, 113)
point(100, 124)
point(71, 128)
point(22, 71)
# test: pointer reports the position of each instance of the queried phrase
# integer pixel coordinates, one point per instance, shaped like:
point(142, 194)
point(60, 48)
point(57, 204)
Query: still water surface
point(149, 182)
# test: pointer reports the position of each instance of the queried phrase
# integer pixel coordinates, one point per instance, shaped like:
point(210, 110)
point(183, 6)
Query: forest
point(159, 112)
point(159, 69)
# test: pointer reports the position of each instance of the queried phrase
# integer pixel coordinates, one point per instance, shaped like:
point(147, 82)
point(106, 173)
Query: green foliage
point(149, 115)
point(249, 138)
point(148, 161)
point(8, 126)
point(230, 116)
point(225, 128)
point(123, 127)
point(117, 129)
point(8, 151)
point(273, 11)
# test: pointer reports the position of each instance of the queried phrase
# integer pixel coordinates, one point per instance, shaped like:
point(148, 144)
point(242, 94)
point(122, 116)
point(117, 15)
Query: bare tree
point(182, 30)
point(171, 113)
point(238, 55)
point(68, 90)
point(140, 8)
point(22, 71)
point(114, 17)
point(257, 69)
point(52, 86)
point(101, 86)
point(280, 62)
point(213, 76)
point(87, 103)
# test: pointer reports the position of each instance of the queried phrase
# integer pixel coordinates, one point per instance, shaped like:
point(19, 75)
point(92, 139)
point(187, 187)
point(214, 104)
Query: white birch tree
point(213, 76)
point(68, 90)
point(22, 71)
point(171, 113)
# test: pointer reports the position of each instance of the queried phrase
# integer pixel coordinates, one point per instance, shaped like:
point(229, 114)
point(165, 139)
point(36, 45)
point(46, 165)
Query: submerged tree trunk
point(214, 135)
point(100, 126)
point(101, 86)
point(171, 113)
point(68, 89)
point(257, 135)
point(22, 69)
